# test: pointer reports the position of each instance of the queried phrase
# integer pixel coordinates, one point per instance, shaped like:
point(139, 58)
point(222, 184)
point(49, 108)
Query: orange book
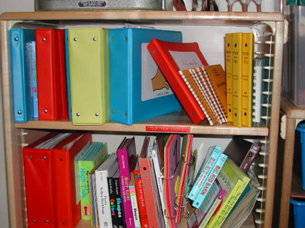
point(150, 193)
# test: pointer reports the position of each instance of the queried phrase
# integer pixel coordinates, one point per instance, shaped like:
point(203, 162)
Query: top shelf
point(141, 15)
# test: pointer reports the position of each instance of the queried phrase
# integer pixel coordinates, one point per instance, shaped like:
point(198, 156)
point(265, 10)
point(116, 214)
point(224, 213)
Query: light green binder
point(89, 70)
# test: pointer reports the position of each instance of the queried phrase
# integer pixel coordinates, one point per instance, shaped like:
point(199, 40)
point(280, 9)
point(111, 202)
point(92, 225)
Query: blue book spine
point(210, 180)
point(21, 82)
point(68, 73)
point(34, 79)
point(217, 151)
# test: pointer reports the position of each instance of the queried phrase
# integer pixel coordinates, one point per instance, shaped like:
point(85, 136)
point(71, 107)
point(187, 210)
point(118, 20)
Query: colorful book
point(141, 91)
point(229, 68)
point(174, 57)
point(172, 166)
point(96, 153)
point(47, 75)
point(68, 74)
point(237, 78)
point(247, 77)
point(242, 152)
point(127, 161)
point(236, 181)
point(107, 168)
point(119, 203)
point(112, 197)
point(210, 180)
point(20, 39)
point(89, 74)
point(206, 169)
point(134, 202)
point(31, 61)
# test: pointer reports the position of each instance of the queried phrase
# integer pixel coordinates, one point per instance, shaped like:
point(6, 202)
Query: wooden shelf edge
point(141, 14)
point(291, 111)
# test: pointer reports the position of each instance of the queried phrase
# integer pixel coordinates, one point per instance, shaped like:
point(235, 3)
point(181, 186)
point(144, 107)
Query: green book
point(292, 2)
point(96, 153)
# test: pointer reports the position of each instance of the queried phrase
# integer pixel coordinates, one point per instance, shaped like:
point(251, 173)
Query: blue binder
point(20, 41)
point(135, 94)
point(68, 74)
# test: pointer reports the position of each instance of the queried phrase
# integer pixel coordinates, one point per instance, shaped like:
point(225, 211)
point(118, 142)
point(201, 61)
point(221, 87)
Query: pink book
point(127, 160)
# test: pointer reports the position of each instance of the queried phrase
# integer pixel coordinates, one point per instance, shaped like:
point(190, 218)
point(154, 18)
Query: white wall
point(8, 6)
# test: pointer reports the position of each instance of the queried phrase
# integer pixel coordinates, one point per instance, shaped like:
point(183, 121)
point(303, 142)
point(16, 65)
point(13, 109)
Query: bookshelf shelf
point(206, 28)
point(174, 123)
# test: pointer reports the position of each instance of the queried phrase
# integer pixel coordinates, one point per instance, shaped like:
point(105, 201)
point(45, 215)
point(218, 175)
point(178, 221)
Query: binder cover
point(39, 184)
point(139, 91)
point(21, 78)
point(68, 204)
point(89, 72)
point(48, 79)
point(62, 74)
point(229, 80)
point(172, 57)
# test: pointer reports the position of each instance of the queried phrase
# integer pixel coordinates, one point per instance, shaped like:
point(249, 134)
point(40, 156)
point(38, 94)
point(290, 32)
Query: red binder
point(47, 76)
point(172, 57)
point(39, 183)
point(67, 203)
point(62, 74)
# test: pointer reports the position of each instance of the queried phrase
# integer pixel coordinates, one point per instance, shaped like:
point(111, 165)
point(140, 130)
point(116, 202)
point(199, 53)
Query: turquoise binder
point(138, 89)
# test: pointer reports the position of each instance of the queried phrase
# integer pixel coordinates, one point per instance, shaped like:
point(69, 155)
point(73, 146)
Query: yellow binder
point(237, 79)
point(89, 72)
point(229, 79)
point(247, 77)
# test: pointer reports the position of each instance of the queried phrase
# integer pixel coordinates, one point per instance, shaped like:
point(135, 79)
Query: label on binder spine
point(168, 129)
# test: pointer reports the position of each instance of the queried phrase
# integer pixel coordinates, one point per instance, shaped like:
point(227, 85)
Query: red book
point(39, 185)
point(62, 74)
point(151, 196)
point(140, 198)
point(68, 205)
point(47, 76)
point(173, 57)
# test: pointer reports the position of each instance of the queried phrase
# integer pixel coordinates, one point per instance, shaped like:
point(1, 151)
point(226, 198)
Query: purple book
point(127, 160)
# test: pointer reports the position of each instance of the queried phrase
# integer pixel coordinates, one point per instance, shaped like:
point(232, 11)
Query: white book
point(102, 192)
point(134, 204)
point(156, 163)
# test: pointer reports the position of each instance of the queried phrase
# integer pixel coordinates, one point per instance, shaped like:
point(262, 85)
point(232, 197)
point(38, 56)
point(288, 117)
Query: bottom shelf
point(249, 223)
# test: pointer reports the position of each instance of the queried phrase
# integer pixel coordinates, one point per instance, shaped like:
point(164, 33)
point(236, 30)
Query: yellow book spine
point(237, 79)
point(225, 209)
point(247, 78)
point(229, 79)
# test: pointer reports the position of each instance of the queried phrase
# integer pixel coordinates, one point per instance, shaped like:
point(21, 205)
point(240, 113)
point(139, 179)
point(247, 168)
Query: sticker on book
point(186, 60)
point(154, 84)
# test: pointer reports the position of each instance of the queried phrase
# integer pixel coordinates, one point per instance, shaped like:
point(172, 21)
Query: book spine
point(221, 195)
point(34, 83)
point(247, 78)
point(103, 199)
point(159, 180)
point(204, 173)
point(124, 182)
point(237, 79)
point(84, 169)
point(210, 180)
point(119, 205)
point(113, 202)
point(249, 158)
point(135, 209)
point(140, 198)
point(229, 76)
point(257, 90)
point(227, 206)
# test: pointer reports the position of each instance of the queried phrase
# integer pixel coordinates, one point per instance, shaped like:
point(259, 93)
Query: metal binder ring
point(185, 198)
point(189, 163)
point(168, 216)
point(162, 176)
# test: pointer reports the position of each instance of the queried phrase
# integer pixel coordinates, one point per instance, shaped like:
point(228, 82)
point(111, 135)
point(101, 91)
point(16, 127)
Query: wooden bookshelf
point(206, 26)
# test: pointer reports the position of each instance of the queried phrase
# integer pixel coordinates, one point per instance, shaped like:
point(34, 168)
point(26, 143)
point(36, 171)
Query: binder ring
point(183, 206)
point(192, 160)
point(188, 214)
point(162, 176)
point(168, 216)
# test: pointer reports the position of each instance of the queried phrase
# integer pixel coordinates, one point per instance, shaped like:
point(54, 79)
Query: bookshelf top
point(142, 15)
point(292, 111)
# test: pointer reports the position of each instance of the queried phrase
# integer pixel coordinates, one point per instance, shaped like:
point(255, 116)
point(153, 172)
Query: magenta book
point(127, 160)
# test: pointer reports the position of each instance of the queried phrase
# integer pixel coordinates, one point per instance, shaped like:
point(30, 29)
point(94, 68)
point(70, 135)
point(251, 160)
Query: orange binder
point(68, 204)
point(171, 58)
